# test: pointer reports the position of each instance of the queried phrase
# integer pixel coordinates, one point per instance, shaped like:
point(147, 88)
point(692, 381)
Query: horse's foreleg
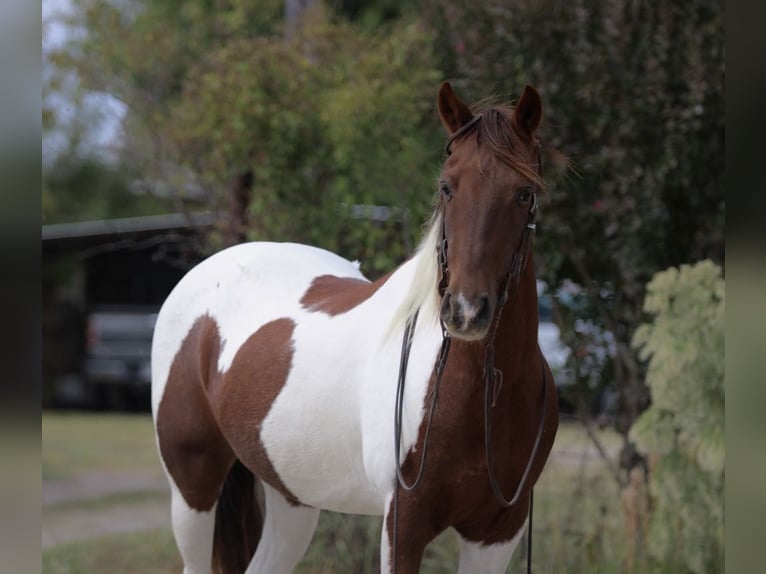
point(478, 558)
point(413, 533)
point(287, 532)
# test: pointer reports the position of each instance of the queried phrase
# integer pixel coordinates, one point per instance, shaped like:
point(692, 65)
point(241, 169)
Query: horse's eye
point(445, 190)
point(525, 195)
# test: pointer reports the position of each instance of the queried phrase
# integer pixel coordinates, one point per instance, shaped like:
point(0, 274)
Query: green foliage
point(77, 189)
point(379, 124)
point(139, 53)
point(684, 427)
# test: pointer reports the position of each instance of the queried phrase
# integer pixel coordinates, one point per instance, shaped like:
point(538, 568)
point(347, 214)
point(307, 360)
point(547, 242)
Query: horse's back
point(241, 288)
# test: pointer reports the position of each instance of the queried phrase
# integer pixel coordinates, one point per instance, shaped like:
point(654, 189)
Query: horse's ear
point(454, 113)
point(528, 111)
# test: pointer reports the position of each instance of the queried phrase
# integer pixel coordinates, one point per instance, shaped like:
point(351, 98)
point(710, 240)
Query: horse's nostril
point(446, 309)
point(466, 313)
point(484, 311)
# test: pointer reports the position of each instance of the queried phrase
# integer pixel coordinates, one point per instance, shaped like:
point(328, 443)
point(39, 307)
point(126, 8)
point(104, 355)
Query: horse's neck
point(516, 339)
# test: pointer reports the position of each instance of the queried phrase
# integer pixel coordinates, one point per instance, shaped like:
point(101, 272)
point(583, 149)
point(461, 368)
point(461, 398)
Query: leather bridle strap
point(489, 399)
point(529, 531)
point(441, 362)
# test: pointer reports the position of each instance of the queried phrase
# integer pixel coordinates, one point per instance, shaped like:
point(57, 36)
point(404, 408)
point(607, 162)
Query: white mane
point(422, 293)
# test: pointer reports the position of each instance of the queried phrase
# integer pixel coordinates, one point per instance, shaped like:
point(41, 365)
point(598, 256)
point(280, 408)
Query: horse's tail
point(238, 522)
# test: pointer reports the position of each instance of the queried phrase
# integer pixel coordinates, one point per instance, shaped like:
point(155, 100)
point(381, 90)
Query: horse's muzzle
point(467, 318)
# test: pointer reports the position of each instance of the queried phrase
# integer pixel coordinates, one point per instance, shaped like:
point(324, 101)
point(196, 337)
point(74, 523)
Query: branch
point(589, 283)
point(613, 470)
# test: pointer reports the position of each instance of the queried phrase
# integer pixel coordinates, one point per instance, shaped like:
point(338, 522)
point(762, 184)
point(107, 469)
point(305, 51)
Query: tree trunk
point(237, 223)
point(294, 9)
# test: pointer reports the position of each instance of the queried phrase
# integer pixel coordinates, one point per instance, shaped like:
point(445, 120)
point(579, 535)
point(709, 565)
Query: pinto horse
point(275, 370)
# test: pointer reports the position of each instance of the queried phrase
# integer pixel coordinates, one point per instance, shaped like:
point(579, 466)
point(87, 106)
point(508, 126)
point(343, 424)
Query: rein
point(493, 377)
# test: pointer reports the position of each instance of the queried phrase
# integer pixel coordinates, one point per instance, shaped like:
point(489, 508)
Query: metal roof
point(126, 225)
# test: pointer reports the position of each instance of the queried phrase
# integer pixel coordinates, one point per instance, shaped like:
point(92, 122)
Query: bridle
point(493, 377)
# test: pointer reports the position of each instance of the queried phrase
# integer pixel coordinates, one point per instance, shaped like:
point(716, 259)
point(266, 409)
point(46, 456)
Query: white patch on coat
point(193, 531)
point(385, 543)
point(478, 558)
point(468, 309)
point(286, 535)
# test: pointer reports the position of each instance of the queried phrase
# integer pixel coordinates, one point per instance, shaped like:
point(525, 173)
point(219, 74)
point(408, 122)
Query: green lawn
point(577, 524)
point(74, 443)
point(150, 552)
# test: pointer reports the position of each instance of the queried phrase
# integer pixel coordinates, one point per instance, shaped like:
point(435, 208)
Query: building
point(90, 268)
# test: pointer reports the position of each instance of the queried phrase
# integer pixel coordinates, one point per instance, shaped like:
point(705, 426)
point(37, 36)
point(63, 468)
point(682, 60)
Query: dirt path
point(100, 503)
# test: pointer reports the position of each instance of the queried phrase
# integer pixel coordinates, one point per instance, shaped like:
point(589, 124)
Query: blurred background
point(173, 129)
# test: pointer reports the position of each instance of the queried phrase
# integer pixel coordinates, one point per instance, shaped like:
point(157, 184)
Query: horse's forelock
point(496, 139)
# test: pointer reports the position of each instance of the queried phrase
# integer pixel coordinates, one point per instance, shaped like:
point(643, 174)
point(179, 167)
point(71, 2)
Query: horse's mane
point(423, 290)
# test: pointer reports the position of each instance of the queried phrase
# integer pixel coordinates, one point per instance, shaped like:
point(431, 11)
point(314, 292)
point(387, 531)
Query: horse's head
point(488, 188)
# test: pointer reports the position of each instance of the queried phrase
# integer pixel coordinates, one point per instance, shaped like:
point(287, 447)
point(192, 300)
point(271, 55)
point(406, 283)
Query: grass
point(150, 552)
point(577, 522)
point(110, 501)
point(74, 443)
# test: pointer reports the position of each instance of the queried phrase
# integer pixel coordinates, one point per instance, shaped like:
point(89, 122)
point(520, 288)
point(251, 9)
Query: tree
point(138, 53)
point(326, 121)
point(78, 188)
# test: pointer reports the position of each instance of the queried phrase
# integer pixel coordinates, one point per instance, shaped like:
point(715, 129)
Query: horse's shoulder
point(333, 295)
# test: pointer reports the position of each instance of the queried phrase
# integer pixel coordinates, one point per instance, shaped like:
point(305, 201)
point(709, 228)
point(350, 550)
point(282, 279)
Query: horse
point(284, 382)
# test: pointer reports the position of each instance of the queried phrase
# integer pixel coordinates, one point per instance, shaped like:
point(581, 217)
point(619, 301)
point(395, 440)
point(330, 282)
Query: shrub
point(683, 430)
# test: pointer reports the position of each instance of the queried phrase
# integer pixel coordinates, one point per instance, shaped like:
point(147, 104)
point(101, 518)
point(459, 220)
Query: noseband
point(493, 377)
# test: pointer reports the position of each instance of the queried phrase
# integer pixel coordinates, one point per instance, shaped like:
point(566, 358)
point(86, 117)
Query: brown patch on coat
point(455, 489)
point(334, 295)
point(191, 444)
point(207, 419)
point(243, 396)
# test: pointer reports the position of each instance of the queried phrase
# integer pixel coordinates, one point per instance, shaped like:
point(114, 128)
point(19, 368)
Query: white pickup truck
point(117, 368)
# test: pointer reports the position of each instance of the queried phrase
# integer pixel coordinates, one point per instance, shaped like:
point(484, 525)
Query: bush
point(683, 430)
